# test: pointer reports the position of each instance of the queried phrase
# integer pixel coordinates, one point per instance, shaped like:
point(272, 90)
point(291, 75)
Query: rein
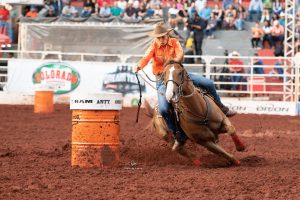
point(188, 95)
point(150, 78)
point(204, 121)
point(154, 81)
point(140, 100)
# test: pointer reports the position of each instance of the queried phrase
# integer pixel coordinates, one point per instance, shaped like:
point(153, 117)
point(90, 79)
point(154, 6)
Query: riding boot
point(228, 112)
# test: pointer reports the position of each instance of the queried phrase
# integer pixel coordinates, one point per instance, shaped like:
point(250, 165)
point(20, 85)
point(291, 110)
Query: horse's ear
point(173, 62)
point(180, 63)
point(169, 62)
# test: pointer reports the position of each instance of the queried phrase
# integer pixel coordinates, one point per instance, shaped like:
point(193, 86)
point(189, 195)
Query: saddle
point(186, 112)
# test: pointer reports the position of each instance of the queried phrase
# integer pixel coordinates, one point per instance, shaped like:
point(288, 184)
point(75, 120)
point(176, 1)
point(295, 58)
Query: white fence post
point(297, 67)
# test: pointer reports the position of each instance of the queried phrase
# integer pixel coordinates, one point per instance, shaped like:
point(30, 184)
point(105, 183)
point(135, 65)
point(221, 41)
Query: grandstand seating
point(231, 40)
point(268, 53)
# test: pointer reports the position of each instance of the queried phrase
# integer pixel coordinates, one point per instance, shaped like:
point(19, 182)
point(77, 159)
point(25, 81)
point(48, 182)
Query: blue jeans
point(279, 38)
point(258, 70)
point(268, 38)
point(164, 107)
point(278, 69)
point(254, 15)
point(210, 31)
point(236, 78)
point(8, 28)
point(239, 24)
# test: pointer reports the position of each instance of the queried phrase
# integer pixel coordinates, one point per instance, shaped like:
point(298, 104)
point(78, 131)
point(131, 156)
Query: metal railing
point(251, 85)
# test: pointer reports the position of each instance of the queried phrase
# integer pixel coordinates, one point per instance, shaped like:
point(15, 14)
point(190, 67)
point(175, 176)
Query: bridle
point(184, 77)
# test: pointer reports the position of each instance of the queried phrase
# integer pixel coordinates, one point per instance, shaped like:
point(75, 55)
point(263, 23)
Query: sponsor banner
point(78, 77)
point(262, 107)
point(100, 101)
point(59, 77)
point(99, 77)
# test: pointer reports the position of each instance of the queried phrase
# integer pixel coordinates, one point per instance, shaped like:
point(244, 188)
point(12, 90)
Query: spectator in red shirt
point(4, 14)
point(4, 17)
point(236, 68)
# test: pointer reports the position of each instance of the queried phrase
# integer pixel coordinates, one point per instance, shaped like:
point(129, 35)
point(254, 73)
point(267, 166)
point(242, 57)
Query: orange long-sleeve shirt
point(161, 54)
point(32, 14)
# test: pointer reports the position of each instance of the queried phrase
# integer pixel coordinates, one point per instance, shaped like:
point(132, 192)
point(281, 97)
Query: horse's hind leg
point(230, 130)
point(215, 148)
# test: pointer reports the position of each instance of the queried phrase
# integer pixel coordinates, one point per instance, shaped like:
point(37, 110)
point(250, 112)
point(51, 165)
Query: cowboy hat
point(160, 30)
point(234, 53)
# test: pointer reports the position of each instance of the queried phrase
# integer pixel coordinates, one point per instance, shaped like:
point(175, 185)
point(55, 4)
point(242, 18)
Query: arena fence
point(275, 84)
point(113, 41)
point(270, 83)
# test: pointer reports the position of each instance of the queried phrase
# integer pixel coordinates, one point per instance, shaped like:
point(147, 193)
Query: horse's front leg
point(162, 131)
point(189, 154)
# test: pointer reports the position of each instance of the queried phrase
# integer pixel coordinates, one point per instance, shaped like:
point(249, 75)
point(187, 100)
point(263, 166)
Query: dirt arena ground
point(35, 161)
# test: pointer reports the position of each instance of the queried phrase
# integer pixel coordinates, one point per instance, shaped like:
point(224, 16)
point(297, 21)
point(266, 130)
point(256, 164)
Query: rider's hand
point(136, 69)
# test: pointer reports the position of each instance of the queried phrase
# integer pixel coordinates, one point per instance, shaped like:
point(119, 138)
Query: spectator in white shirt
point(173, 16)
point(199, 4)
point(105, 10)
point(266, 16)
point(122, 4)
point(68, 10)
point(267, 28)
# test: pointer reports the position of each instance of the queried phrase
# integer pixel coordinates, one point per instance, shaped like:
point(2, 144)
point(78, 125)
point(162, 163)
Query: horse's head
point(174, 76)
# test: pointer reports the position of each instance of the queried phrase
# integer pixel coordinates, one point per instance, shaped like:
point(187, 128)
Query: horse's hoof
point(236, 163)
point(197, 162)
point(177, 146)
point(240, 147)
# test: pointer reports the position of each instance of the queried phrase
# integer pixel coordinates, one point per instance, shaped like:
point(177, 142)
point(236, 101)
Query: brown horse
point(197, 114)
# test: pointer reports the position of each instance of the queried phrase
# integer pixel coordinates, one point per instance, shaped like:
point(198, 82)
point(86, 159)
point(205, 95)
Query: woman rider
point(162, 49)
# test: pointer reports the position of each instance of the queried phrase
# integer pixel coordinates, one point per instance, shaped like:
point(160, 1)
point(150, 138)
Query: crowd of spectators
point(269, 15)
point(131, 9)
point(198, 18)
point(201, 17)
point(269, 29)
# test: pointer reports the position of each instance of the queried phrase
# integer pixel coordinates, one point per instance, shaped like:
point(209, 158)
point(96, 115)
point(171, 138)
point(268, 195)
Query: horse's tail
point(149, 110)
